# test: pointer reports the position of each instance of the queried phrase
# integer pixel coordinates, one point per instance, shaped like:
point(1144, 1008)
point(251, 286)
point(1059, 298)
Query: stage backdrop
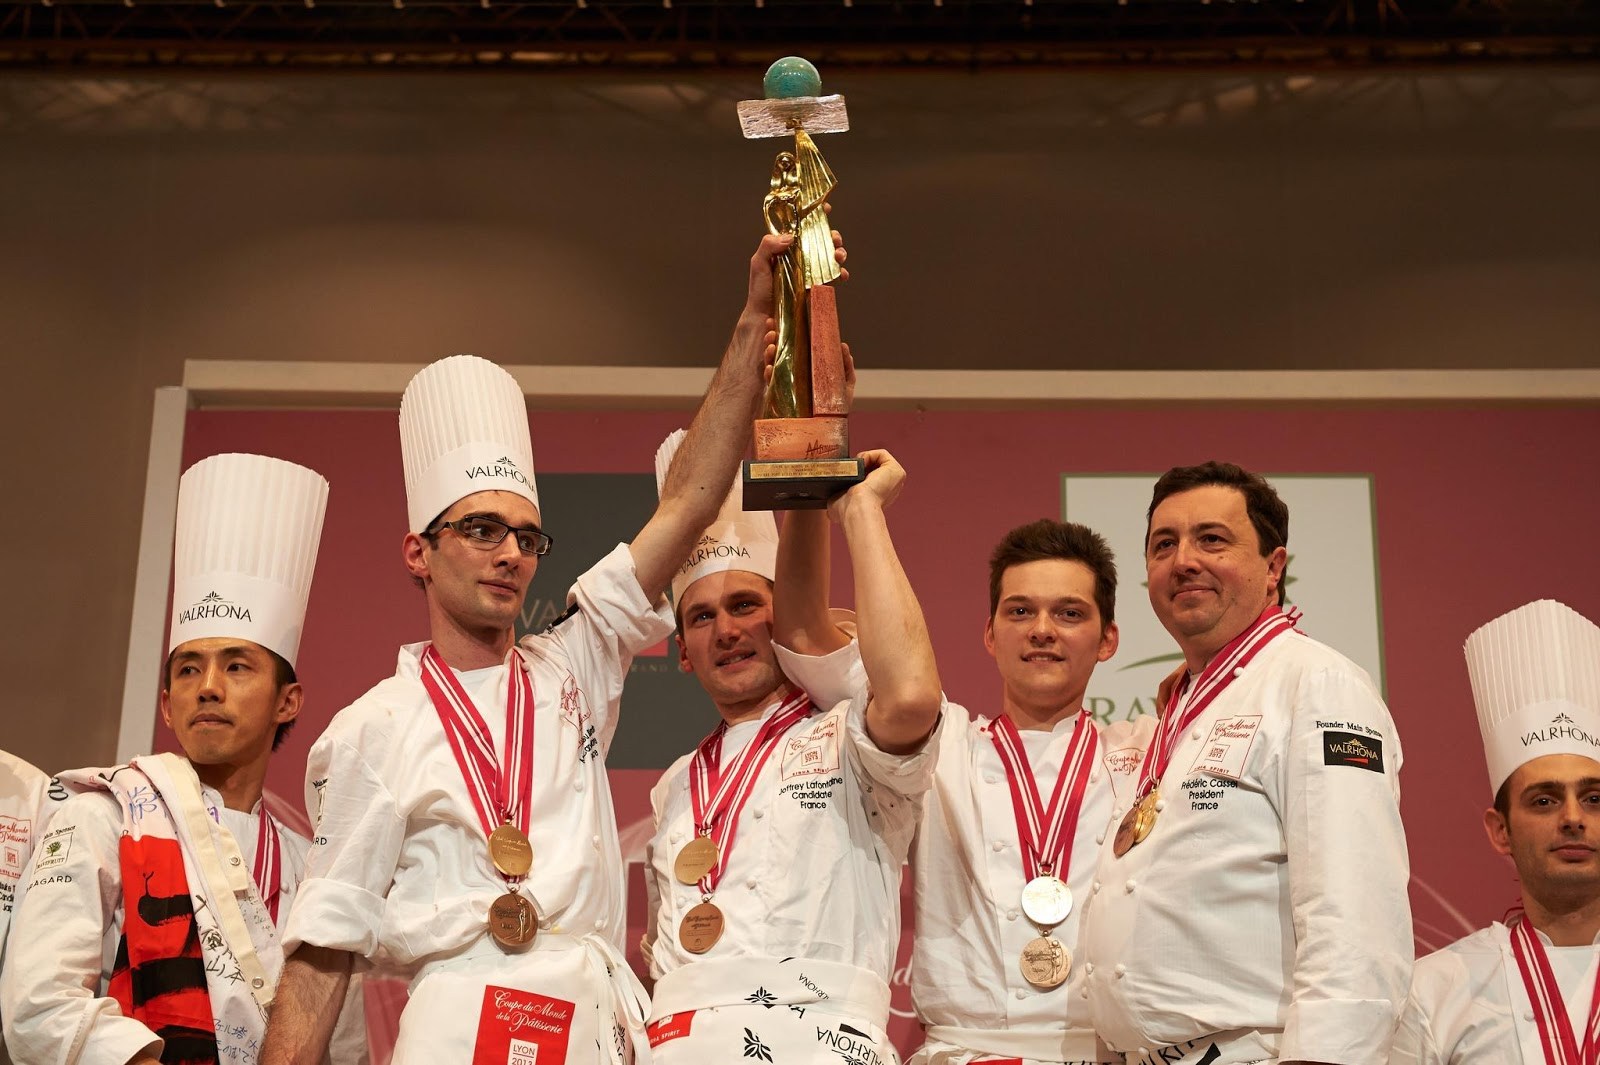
point(1411, 526)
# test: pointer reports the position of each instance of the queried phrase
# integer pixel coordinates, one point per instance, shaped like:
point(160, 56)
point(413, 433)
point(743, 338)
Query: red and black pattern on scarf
point(159, 978)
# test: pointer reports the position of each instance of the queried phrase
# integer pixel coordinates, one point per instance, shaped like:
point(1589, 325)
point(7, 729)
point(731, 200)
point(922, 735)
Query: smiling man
point(465, 838)
point(1525, 991)
point(1227, 924)
point(148, 927)
point(774, 870)
point(1006, 850)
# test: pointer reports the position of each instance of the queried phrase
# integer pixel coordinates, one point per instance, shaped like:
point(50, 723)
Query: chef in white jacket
point(1250, 903)
point(148, 927)
point(1523, 992)
point(775, 864)
point(1009, 836)
point(466, 839)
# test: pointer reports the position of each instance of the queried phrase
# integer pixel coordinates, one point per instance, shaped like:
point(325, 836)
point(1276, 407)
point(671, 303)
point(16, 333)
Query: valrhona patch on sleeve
point(1347, 748)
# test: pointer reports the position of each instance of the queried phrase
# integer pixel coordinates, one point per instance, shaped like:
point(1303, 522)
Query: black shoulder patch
point(1348, 748)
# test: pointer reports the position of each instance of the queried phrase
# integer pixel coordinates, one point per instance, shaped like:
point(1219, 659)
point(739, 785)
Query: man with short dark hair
point(1524, 991)
point(149, 927)
point(1228, 924)
point(1005, 854)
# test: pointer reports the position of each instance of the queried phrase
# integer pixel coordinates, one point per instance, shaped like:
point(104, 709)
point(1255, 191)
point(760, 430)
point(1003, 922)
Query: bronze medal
point(697, 858)
point(510, 851)
point(1127, 830)
point(513, 922)
point(700, 928)
point(1046, 962)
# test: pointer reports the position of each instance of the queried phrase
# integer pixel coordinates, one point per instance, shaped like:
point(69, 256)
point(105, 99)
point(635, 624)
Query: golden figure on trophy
point(802, 444)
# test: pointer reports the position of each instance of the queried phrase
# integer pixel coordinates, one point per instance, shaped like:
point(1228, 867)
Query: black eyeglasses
point(490, 531)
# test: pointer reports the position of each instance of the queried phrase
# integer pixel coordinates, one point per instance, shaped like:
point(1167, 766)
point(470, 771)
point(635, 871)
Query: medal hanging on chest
point(1187, 702)
point(717, 796)
point(501, 790)
point(1560, 1043)
point(1044, 836)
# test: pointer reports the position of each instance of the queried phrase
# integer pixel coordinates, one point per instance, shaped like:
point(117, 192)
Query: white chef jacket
point(815, 868)
point(1271, 894)
point(399, 871)
point(1468, 1005)
point(69, 921)
point(26, 802)
point(970, 929)
point(966, 978)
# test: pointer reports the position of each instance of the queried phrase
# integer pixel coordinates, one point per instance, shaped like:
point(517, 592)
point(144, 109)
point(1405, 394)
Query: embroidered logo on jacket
point(814, 753)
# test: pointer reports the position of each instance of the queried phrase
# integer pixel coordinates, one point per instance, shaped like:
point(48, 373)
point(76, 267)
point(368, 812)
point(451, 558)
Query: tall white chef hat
point(244, 550)
point(734, 539)
point(1536, 679)
point(463, 429)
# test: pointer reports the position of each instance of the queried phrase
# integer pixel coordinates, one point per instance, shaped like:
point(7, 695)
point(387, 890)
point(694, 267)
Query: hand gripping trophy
point(802, 444)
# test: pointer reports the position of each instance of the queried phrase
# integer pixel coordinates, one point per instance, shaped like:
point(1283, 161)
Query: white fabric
point(53, 999)
point(815, 867)
point(735, 539)
point(1570, 965)
point(399, 870)
point(966, 980)
point(1468, 1005)
point(244, 549)
point(463, 429)
point(1277, 902)
point(1536, 681)
point(798, 1011)
point(27, 800)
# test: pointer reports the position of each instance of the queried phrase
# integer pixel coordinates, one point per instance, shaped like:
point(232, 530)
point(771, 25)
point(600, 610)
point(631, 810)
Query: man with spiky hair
point(1019, 800)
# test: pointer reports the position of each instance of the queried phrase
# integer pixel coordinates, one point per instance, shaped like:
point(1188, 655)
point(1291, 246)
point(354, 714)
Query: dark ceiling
point(581, 34)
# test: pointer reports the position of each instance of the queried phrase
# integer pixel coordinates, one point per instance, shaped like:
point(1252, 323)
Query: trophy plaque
point(802, 445)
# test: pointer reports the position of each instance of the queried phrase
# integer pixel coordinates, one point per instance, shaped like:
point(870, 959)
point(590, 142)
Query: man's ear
point(1109, 639)
point(988, 635)
point(684, 665)
point(166, 706)
point(1499, 833)
point(414, 552)
point(290, 700)
point(1275, 566)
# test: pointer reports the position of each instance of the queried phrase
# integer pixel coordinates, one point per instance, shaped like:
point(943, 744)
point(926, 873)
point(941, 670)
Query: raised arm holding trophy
point(802, 444)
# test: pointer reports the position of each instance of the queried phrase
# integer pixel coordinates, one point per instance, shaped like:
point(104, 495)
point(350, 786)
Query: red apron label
point(522, 1028)
point(673, 1026)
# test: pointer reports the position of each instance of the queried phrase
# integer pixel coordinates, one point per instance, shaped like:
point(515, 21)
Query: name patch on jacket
point(1348, 748)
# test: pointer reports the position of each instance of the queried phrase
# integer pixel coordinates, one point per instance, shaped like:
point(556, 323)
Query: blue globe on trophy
point(791, 77)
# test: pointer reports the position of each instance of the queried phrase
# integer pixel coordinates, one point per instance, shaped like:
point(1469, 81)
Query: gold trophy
point(802, 444)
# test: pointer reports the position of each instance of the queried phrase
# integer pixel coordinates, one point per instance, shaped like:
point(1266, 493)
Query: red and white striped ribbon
point(1046, 835)
point(717, 797)
point(1549, 1008)
point(267, 870)
point(1189, 701)
point(500, 789)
